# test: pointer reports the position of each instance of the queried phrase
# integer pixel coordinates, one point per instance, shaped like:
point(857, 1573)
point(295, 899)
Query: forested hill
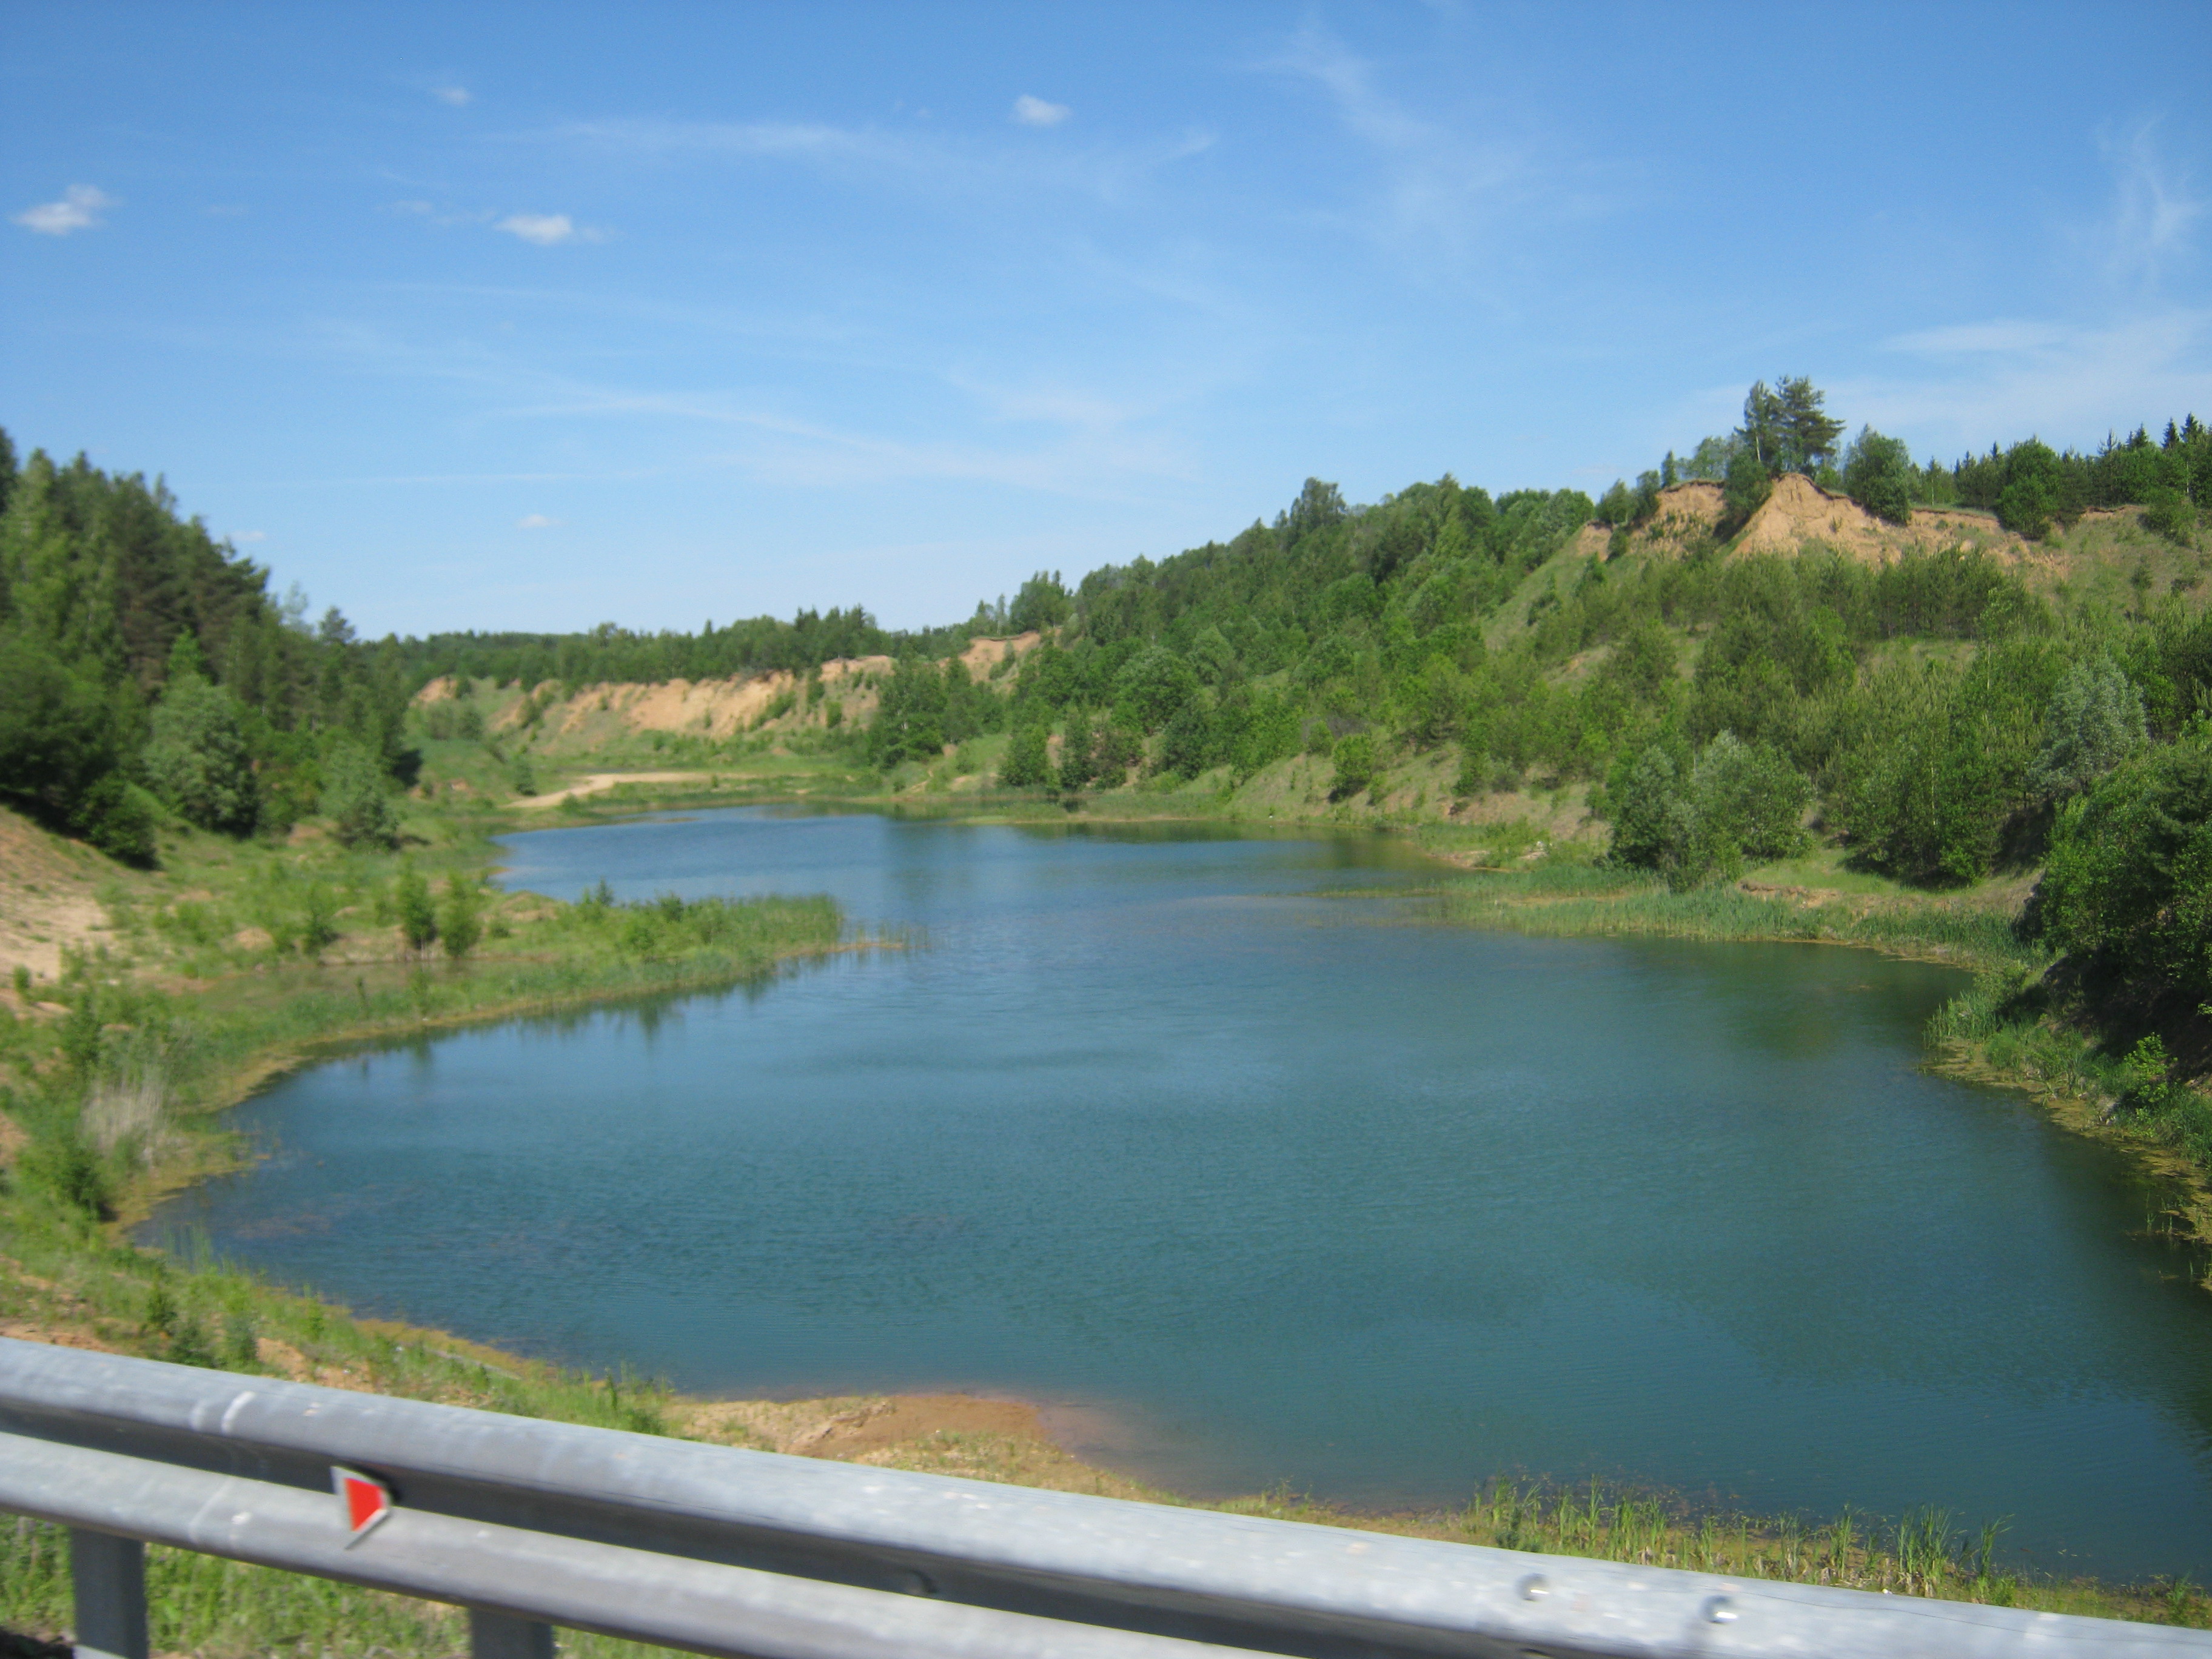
point(145, 669)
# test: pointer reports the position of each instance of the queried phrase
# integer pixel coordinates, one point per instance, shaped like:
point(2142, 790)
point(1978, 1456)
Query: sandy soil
point(982, 656)
point(45, 897)
point(1799, 510)
point(599, 782)
point(846, 1428)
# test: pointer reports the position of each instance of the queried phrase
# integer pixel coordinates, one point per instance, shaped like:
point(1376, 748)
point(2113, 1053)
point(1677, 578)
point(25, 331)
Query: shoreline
point(970, 1435)
point(1794, 915)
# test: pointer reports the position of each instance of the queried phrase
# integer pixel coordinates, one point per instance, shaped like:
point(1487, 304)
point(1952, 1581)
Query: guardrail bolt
point(1720, 1611)
point(1535, 1587)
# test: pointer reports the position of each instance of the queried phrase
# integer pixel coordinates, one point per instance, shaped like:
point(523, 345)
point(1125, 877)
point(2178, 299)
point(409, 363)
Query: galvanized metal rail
point(531, 1525)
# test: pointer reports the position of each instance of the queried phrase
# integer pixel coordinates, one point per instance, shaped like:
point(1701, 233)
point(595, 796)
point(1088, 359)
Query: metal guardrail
point(531, 1525)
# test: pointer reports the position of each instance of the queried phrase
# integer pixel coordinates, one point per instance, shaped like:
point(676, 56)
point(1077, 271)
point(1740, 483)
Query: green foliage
point(58, 728)
point(2094, 722)
point(356, 798)
point(1155, 686)
point(1041, 604)
point(109, 597)
point(1736, 802)
point(1933, 764)
point(1356, 766)
point(68, 1171)
point(1879, 475)
point(2128, 886)
point(461, 917)
point(2034, 492)
point(910, 717)
point(119, 818)
point(1025, 766)
point(2169, 513)
point(1744, 491)
point(1788, 428)
point(198, 758)
point(417, 914)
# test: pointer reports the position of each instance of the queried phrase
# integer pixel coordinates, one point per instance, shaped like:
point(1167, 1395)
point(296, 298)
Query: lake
point(1216, 1144)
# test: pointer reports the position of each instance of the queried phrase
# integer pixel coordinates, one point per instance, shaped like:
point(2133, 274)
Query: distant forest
point(147, 669)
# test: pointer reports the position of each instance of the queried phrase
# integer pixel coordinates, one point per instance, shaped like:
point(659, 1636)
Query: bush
point(2128, 883)
point(1356, 766)
point(460, 920)
point(2094, 722)
point(1743, 492)
point(58, 729)
point(355, 801)
point(418, 917)
point(68, 1171)
point(1026, 763)
point(1879, 475)
point(1737, 802)
point(197, 759)
point(119, 818)
point(2168, 513)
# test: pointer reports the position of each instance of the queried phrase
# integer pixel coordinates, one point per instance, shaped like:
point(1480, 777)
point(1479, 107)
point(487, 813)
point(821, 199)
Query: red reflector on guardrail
point(367, 1500)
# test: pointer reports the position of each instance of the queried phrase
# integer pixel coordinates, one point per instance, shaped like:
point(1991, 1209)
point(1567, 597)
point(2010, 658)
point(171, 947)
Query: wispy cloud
point(1999, 381)
point(1438, 182)
point(929, 160)
point(249, 536)
point(547, 229)
point(456, 96)
point(1962, 339)
point(79, 208)
point(1031, 111)
point(535, 521)
point(2153, 209)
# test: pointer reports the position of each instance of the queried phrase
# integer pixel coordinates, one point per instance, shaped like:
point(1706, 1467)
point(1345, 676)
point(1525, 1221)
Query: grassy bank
point(68, 1281)
point(2021, 1024)
point(237, 961)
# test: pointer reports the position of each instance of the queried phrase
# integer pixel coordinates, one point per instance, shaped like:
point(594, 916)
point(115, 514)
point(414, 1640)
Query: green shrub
point(197, 759)
point(1025, 766)
point(2129, 882)
point(1356, 766)
point(460, 918)
point(355, 798)
point(119, 818)
point(1743, 492)
point(418, 917)
point(2167, 511)
point(1695, 821)
point(1879, 475)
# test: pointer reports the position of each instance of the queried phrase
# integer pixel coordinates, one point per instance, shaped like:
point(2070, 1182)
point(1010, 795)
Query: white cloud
point(456, 96)
point(78, 209)
point(1438, 183)
point(250, 535)
point(2002, 380)
point(535, 521)
point(2004, 336)
point(1035, 112)
point(546, 230)
point(2153, 209)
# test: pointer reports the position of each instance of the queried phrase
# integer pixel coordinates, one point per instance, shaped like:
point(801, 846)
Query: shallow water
point(1213, 1137)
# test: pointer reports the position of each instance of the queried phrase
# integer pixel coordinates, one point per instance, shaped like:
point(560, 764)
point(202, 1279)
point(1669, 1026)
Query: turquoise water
point(1214, 1145)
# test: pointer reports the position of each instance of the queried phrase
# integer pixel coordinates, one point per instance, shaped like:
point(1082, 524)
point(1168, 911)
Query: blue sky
point(537, 317)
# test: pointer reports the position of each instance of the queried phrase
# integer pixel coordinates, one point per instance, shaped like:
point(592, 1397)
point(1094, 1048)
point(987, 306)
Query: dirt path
point(599, 782)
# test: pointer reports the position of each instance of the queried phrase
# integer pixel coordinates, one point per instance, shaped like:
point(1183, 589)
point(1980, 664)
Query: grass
point(237, 961)
point(1572, 899)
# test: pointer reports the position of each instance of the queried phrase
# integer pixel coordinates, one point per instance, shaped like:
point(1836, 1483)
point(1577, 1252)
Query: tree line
point(145, 669)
